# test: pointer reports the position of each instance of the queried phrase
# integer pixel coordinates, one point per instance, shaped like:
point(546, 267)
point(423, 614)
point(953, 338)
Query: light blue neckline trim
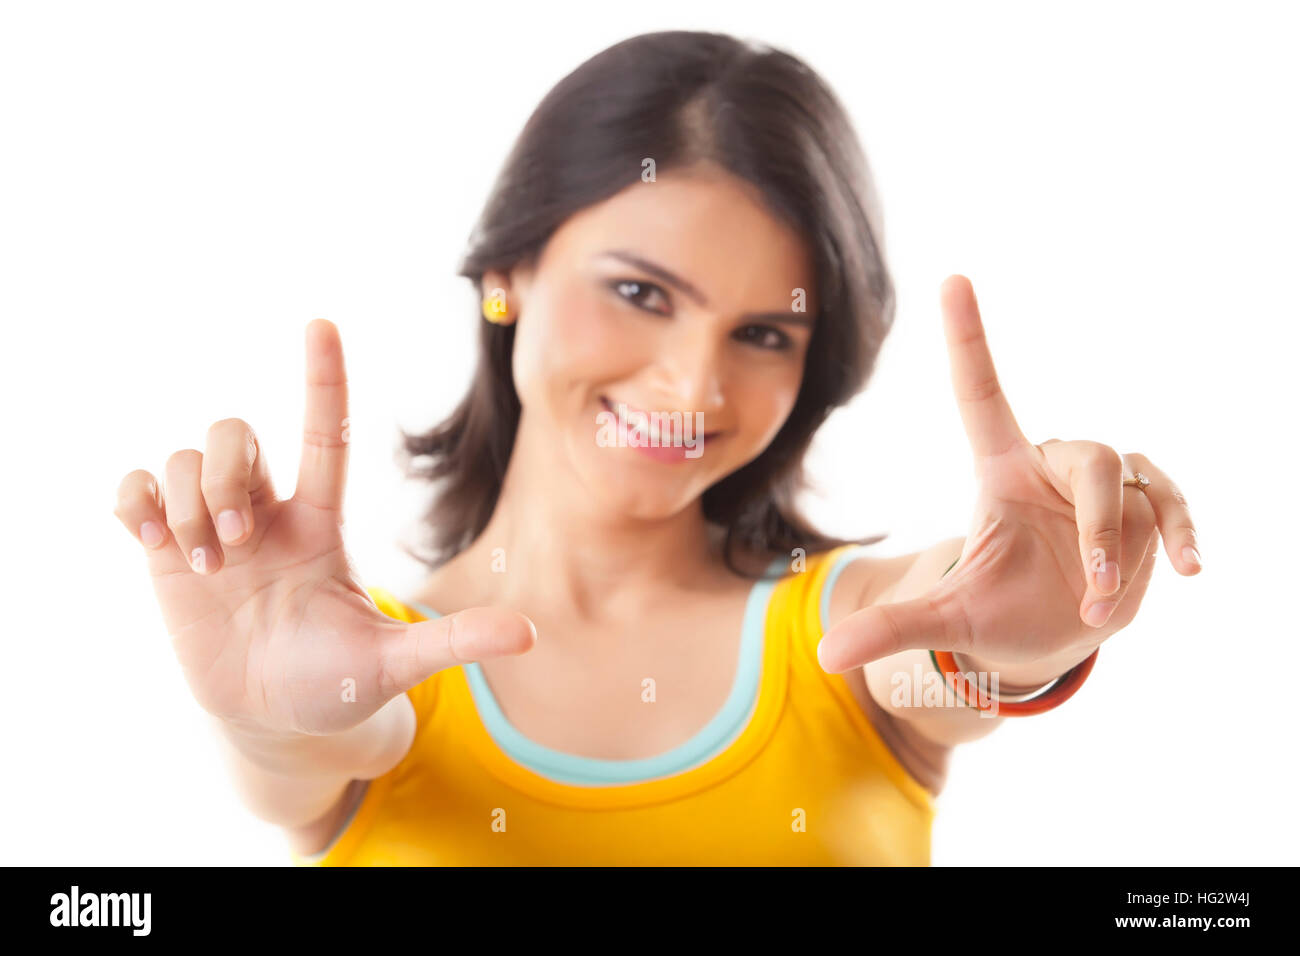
point(840, 564)
point(718, 733)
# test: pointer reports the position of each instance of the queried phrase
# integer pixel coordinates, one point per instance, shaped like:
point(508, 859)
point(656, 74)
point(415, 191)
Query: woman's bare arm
point(297, 784)
point(873, 581)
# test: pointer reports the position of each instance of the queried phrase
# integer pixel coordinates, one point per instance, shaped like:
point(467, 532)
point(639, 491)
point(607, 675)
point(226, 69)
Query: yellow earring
point(494, 310)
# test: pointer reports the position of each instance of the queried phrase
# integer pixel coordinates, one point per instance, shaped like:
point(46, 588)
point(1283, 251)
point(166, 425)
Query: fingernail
point(1098, 613)
point(230, 524)
point(151, 534)
point(199, 560)
point(1192, 556)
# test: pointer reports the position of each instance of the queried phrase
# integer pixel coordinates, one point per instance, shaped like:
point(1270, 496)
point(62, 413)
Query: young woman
point(631, 648)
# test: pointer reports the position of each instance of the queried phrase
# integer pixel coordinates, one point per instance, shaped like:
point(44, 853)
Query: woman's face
point(677, 296)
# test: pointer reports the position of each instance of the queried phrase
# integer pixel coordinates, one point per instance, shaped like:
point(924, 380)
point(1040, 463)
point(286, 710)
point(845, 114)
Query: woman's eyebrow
point(686, 288)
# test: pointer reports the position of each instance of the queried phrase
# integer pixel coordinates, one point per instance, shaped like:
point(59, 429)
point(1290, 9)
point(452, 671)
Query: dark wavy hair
point(679, 97)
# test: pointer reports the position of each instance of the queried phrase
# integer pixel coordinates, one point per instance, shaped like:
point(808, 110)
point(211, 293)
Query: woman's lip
point(611, 408)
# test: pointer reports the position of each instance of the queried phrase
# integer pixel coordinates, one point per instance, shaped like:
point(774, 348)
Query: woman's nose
point(690, 376)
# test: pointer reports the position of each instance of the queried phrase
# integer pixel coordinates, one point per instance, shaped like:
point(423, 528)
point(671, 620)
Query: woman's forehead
point(708, 227)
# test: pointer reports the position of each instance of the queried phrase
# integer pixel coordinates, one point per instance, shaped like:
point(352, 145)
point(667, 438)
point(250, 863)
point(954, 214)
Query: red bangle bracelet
point(1055, 694)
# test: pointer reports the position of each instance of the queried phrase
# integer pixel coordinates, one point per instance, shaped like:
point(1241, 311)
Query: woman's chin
point(640, 488)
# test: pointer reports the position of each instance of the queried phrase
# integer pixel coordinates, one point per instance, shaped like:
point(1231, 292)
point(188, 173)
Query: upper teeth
point(643, 420)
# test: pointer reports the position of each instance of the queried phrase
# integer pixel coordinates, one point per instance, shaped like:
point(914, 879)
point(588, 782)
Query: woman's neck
point(548, 544)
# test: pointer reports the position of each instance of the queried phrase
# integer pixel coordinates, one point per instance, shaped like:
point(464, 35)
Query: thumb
point(876, 632)
point(413, 652)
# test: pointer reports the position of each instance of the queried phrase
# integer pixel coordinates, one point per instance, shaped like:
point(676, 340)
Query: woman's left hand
point(1060, 552)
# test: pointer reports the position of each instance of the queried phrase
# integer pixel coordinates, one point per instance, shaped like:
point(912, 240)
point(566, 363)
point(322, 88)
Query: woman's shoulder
point(861, 579)
point(849, 576)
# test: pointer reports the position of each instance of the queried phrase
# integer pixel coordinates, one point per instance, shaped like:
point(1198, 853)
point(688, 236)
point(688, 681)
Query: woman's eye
point(637, 293)
point(764, 337)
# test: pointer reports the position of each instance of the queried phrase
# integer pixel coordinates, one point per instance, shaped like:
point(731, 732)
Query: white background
point(185, 186)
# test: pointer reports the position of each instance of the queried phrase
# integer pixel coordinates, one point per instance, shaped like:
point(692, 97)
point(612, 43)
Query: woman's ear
point(499, 306)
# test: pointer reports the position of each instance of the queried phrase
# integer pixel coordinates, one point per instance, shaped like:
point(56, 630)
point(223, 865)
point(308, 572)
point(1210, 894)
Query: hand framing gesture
point(1060, 551)
point(273, 630)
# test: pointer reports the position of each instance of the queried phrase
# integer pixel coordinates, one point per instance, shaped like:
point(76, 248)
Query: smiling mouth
point(631, 410)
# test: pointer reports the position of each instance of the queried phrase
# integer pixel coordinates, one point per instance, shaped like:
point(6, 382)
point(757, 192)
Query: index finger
point(990, 426)
point(323, 468)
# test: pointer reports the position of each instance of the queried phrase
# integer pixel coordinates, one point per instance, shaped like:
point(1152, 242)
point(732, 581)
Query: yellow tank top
point(807, 781)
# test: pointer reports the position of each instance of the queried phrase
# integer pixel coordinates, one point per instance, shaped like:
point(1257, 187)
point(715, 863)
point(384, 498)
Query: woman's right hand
point(275, 634)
